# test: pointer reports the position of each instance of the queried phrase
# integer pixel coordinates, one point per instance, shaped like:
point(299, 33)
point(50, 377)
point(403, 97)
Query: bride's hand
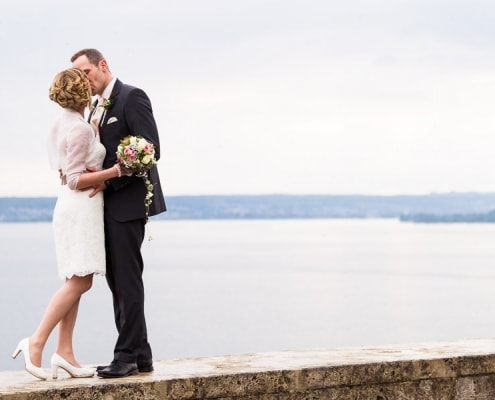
point(126, 171)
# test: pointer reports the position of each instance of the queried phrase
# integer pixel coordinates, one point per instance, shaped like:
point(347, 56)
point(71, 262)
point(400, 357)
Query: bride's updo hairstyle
point(70, 89)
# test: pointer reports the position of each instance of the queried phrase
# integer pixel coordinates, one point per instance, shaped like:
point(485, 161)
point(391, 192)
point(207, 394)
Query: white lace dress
point(77, 218)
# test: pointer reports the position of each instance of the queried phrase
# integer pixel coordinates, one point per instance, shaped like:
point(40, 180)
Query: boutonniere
point(109, 103)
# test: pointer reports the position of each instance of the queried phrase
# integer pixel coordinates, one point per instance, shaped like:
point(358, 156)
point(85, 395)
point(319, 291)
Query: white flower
point(141, 144)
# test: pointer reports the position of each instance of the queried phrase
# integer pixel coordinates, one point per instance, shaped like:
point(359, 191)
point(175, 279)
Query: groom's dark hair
point(94, 56)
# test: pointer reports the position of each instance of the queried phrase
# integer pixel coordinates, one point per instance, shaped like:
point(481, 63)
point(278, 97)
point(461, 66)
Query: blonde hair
point(71, 89)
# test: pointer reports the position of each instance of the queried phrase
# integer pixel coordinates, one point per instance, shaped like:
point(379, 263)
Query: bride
point(74, 149)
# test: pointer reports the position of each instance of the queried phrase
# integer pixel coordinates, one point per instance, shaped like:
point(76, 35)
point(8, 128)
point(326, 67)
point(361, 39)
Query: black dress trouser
point(124, 276)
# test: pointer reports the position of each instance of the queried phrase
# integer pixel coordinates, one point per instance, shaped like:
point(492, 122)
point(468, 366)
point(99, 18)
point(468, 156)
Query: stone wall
point(448, 370)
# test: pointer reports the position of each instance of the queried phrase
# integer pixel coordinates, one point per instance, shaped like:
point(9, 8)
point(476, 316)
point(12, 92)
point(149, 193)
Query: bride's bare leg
point(65, 334)
point(63, 303)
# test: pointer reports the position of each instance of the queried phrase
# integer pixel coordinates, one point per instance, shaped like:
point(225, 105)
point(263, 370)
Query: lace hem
point(81, 274)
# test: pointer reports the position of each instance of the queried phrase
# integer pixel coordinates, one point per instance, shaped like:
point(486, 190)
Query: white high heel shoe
point(23, 346)
point(74, 372)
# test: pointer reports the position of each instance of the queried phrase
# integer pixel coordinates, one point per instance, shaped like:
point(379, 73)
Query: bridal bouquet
point(136, 154)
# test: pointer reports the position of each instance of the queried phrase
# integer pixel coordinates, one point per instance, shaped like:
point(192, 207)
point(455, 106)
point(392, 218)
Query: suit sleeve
point(140, 121)
point(139, 116)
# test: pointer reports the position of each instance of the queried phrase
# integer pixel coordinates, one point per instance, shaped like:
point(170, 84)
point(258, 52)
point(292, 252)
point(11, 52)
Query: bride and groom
point(99, 218)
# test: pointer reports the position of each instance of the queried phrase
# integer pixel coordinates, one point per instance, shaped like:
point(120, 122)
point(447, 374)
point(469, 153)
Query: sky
point(377, 97)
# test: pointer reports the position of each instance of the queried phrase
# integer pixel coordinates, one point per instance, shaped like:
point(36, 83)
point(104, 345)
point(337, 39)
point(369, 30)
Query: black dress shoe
point(145, 366)
point(118, 369)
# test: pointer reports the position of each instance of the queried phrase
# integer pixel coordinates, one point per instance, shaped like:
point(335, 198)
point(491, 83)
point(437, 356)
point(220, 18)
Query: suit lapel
point(91, 112)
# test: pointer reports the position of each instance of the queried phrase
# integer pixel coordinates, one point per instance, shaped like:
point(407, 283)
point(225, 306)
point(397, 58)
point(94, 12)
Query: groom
point(124, 110)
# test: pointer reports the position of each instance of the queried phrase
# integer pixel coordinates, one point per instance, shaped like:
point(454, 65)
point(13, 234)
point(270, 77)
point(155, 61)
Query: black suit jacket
point(129, 114)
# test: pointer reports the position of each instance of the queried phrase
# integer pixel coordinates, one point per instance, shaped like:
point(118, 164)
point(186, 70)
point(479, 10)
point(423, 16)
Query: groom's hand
point(97, 189)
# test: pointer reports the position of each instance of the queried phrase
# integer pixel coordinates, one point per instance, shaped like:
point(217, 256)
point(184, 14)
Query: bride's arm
point(89, 180)
point(78, 177)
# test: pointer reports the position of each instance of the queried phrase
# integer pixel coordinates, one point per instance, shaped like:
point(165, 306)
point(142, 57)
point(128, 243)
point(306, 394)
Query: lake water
point(234, 287)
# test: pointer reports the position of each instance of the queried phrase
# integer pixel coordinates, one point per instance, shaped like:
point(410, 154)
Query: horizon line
point(471, 192)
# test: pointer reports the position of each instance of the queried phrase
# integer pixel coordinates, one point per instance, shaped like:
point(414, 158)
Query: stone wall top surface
point(312, 368)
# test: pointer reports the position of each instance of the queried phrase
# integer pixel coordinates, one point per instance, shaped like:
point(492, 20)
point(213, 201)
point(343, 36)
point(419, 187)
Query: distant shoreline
point(431, 208)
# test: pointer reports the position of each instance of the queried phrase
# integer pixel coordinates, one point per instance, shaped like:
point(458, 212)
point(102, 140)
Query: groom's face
point(95, 73)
